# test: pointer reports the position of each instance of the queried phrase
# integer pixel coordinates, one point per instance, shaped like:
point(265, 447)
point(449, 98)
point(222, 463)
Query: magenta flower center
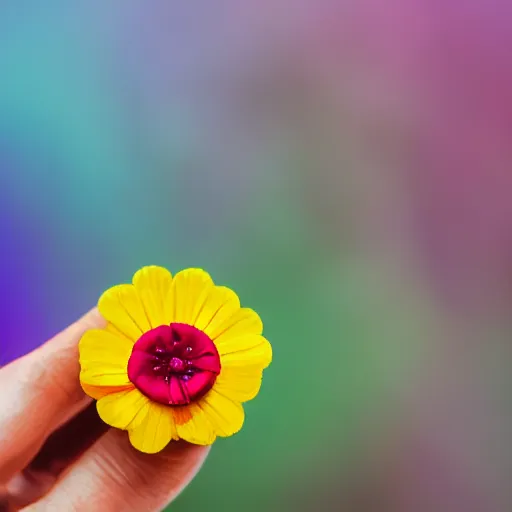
point(174, 364)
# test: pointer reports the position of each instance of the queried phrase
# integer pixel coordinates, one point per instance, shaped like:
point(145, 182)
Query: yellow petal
point(114, 330)
point(244, 321)
point(190, 289)
point(226, 416)
point(254, 351)
point(153, 284)
point(105, 374)
point(98, 392)
point(155, 429)
point(240, 384)
point(103, 360)
point(124, 410)
point(197, 429)
point(122, 307)
point(239, 343)
point(220, 305)
point(99, 346)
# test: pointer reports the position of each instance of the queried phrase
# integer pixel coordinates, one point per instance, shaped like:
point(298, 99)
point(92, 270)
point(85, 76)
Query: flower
point(176, 360)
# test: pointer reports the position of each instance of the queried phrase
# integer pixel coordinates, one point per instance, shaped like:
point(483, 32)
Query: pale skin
point(56, 454)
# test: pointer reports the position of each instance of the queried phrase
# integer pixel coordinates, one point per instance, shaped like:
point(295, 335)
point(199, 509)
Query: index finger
point(42, 392)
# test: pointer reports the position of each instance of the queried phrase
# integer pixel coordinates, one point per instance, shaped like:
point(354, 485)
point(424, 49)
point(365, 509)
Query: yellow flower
point(176, 360)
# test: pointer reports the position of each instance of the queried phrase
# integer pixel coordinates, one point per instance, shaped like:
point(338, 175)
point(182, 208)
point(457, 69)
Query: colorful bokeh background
point(344, 166)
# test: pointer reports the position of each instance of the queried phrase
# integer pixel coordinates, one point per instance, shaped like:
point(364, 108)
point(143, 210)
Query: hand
point(55, 452)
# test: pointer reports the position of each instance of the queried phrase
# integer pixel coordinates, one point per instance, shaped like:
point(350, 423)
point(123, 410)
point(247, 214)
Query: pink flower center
point(174, 364)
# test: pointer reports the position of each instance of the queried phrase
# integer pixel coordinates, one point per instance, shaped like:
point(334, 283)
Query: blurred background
point(344, 166)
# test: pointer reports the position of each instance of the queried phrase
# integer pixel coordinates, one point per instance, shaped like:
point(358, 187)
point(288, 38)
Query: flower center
point(174, 364)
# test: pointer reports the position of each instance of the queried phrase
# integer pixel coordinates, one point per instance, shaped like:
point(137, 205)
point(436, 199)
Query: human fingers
point(60, 451)
point(113, 476)
point(41, 391)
